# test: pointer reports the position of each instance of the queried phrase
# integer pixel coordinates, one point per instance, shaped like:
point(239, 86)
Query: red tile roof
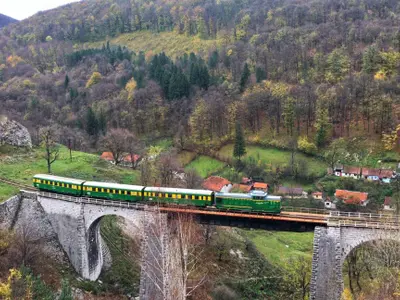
point(386, 173)
point(260, 185)
point(215, 183)
point(128, 158)
point(351, 197)
point(242, 187)
point(381, 173)
point(370, 172)
point(107, 156)
point(388, 201)
point(352, 170)
point(317, 194)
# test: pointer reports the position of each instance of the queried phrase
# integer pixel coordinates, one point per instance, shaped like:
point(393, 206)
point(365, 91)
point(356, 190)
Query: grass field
point(280, 246)
point(186, 157)
point(205, 166)
point(276, 157)
point(171, 43)
point(21, 167)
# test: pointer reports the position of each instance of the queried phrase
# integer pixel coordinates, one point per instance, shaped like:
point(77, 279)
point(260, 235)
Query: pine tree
point(244, 78)
point(213, 60)
point(66, 291)
point(102, 122)
point(370, 60)
point(92, 125)
point(240, 147)
point(66, 81)
point(260, 74)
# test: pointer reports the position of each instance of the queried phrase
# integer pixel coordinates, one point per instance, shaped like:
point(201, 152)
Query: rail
point(17, 184)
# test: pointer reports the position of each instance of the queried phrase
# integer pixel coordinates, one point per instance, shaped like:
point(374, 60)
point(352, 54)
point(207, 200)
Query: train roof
point(178, 191)
point(234, 195)
point(274, 198)
point(59, 178)
point(114, 185)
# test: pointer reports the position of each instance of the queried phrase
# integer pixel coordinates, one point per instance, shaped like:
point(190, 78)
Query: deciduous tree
point(48, 137)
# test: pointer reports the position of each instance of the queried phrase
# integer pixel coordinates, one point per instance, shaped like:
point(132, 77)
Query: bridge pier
point(331, 247)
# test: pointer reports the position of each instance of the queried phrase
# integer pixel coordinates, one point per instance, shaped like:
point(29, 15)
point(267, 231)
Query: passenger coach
point(58, 184)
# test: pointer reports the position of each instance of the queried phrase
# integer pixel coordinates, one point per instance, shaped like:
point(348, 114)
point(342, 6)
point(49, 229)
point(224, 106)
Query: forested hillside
point(310, 68)
point(5, 20)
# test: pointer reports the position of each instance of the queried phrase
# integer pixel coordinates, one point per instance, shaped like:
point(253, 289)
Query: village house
point(317, 195)
point(126, 160)
point(294, 192)
point(346, 171)
point(352, 197)
point(329, 204)
point(243, 188)
point(388, 204)
point(383, 175)
point(217, 184)
point(260, 186)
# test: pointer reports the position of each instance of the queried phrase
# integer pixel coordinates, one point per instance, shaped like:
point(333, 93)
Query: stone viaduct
point(75, 222)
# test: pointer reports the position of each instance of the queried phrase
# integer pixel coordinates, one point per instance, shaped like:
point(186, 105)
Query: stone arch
point(95, 245)
point(331, 247)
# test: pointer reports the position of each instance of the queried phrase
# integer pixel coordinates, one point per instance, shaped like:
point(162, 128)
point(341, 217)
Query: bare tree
point(167, 166)
point(115, 142)
point(134, 148)
point(48, 137)
point(186, 251)
point(193, 179)
point(172, 256)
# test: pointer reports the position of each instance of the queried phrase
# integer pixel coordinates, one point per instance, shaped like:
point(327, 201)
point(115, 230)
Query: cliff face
point(13, 133)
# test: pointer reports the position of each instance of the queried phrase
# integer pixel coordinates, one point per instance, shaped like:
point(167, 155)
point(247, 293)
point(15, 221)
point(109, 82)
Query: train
point(256, 200)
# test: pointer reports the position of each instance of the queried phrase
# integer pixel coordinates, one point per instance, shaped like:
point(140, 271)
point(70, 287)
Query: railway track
point(17, 184)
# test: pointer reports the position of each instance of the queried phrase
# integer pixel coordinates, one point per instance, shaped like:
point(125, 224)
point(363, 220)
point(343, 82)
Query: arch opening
point(113, 245)
point(371, 270)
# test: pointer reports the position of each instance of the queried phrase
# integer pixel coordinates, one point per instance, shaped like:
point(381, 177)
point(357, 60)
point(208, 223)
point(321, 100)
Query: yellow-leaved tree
point(130, 88)
point(390, 140)
point(6, 287)
point(94, 79)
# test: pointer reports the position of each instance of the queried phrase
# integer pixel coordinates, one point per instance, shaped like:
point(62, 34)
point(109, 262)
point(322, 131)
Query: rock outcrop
point(14, 134)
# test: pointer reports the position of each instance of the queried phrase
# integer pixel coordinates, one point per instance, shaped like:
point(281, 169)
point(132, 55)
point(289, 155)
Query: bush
point(305, 146)
point(223, 292)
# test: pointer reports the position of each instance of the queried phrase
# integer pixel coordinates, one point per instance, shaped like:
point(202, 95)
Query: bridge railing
point(363, 224)
point(320, 211)
point(364, 216)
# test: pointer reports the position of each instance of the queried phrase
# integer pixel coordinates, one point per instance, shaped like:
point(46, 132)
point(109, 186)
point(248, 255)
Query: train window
point(97, 189)
point(179, 196)
point(209, 198)
point(113, 191)
point(166, 195)
point(119, 192)
point(193, 197)
point(62, 184)
point(186, 197)
point(67, 185)
point(125, 192)
point(102, 190)
point(108, 190)
point(79, 187)
point(132, 193)
point(173, 196)
point(145, 193)
point(160, 195)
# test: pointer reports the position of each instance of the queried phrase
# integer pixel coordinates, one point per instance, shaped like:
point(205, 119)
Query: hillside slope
point(5, 20)
point(320, 69)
